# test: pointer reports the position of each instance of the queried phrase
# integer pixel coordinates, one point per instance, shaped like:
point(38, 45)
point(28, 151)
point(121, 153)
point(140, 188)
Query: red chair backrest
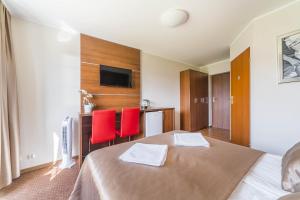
point(103, 126)
point(130, 122)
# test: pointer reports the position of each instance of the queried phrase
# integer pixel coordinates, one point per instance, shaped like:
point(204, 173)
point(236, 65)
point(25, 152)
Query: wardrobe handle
point(195, 100)
point(206, 100)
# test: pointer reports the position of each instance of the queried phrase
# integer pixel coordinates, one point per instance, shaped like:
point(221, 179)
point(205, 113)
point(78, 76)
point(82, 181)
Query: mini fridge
point(153, 123)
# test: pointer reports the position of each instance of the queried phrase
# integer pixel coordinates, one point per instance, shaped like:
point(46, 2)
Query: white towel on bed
point(190, 139)
point(147, 154)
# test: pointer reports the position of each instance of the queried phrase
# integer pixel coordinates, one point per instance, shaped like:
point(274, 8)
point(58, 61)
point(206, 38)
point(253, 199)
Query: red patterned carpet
point(47, 183)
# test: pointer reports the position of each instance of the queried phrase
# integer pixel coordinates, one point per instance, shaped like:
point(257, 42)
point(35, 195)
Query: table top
point(151, 109)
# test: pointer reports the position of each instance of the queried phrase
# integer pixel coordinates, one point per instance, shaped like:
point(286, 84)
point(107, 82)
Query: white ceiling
point(205, 38)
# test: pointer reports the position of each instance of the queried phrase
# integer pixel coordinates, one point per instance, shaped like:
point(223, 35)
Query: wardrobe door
point(199, 103)
point(203, 104)
point(185, 114)
point(194, 100)
point(240, 99)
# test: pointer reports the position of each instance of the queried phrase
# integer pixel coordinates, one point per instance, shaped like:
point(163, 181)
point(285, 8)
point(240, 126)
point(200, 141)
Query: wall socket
point(31, 156)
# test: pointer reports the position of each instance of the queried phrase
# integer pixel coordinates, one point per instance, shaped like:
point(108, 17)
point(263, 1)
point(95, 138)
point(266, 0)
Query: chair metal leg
point(129, 138)
point(113, 142)
point(89, 146)
point(109, 143)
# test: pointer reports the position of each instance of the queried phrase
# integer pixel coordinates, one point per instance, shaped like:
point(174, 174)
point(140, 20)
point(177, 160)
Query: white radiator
point(66, 143)
point(154, 123)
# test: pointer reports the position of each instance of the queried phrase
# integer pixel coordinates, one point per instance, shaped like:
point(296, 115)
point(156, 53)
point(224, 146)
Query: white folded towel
point(148, 154)
point(190, 139)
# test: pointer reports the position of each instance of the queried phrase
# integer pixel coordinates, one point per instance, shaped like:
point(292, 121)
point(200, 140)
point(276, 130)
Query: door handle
point(231, 100)
point(206, 100)
point(214, 99)
point(195, 100)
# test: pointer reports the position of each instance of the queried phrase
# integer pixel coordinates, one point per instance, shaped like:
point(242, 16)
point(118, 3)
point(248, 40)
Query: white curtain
point(9, 119)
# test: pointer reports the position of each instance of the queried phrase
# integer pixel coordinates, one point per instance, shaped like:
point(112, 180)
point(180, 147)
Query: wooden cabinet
point(240, 99)
point(193, 100)
point(168, 120)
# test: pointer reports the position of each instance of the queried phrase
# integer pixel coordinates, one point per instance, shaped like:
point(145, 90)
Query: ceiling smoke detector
point(174, 17)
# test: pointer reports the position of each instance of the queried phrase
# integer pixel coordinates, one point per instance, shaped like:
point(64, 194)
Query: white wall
point(213, 69)
point(242, 42)
point(217, 67)
point(274, 107)
point(48, 75)
point(161, 82)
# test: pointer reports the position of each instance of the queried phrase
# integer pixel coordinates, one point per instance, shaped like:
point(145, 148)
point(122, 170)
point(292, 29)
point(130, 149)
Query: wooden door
point(240, 99)
point(221, 101)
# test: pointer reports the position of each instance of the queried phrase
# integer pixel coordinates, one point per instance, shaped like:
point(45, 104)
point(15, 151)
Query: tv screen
point(117, 77)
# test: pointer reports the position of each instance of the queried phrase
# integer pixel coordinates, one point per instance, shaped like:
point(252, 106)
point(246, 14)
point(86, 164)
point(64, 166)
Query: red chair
point(130, 122)
point(103, 126)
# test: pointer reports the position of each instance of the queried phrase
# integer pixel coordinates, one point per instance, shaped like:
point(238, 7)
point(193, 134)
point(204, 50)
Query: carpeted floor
point(47, 183)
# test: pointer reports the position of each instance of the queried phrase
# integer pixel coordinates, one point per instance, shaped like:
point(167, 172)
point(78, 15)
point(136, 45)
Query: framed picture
point(289, 57)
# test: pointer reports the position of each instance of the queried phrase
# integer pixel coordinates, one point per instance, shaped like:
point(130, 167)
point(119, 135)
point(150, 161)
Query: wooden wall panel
point(90, 80)
point(98, 51)
point(95, 52)
point(116, 101)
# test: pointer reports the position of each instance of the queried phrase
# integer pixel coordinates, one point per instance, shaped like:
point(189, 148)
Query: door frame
point(212, 99)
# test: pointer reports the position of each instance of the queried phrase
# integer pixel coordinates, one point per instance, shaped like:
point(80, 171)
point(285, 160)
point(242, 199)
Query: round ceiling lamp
point(174, 17)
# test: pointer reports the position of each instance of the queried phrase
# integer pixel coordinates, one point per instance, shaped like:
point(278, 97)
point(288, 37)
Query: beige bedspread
point(189, 172)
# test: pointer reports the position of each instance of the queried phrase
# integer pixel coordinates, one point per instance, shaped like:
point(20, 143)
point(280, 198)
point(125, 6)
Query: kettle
point(145, 104)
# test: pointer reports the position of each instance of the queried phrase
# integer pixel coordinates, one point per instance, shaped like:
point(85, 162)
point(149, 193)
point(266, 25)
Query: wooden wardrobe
point(193, 100)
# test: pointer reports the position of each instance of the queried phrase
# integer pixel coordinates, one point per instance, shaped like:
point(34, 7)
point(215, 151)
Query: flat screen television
point(116, 77)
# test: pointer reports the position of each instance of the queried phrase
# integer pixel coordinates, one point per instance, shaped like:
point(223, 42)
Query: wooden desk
point(85, 128)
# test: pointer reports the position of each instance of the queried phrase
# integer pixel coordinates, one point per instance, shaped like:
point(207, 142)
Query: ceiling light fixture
point(174, 17)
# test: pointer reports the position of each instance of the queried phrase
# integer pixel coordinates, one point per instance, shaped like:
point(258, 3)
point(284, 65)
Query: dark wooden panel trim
point(98, 64)
point(133, 95)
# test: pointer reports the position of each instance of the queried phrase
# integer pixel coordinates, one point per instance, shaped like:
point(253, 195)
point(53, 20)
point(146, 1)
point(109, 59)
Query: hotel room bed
point(223, 171)
point(262, 182)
